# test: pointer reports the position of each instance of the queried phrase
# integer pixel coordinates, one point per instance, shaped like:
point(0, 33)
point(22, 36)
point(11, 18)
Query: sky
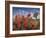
point(24, 11)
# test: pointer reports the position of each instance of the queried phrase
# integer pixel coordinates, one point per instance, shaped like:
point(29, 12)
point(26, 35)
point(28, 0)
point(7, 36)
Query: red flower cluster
point(25, 22)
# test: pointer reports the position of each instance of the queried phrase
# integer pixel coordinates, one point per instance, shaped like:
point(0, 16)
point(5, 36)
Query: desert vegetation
point(29, 22)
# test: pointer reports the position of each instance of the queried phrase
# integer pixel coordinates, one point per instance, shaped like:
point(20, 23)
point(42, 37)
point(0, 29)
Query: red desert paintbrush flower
point(25, 22)
point(18, 22)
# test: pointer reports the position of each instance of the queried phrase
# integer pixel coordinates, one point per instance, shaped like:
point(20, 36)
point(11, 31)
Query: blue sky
point(24, 11)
